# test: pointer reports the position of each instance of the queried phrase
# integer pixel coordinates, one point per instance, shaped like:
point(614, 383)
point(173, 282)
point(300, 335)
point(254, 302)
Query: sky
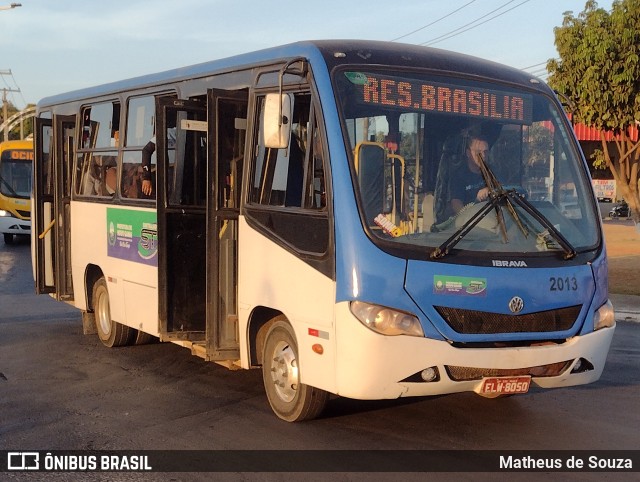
point(55, 46)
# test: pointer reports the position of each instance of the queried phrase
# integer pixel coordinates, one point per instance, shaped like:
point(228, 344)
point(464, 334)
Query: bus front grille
point(459, 374)
point(472, 322)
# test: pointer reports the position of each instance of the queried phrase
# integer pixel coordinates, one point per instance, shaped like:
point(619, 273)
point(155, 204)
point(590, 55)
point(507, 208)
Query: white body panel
point(271, 276)
point(133, 293)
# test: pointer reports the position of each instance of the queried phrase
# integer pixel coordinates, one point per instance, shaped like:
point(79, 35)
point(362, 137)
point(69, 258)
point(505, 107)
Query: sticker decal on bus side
point(459, 285)
point(132, 235)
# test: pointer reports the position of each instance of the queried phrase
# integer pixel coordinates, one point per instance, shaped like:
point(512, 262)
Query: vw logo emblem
point(516, 304)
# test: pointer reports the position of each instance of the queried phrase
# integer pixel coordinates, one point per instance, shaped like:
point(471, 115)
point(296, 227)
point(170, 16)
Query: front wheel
point(111, 333)
point(8, 238)
point(290, 400)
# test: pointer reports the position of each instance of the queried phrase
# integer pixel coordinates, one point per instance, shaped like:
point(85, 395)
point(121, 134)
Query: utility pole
point(4, 102)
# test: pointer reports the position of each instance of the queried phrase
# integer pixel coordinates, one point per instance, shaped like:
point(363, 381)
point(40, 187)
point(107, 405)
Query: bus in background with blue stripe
point(365, 219)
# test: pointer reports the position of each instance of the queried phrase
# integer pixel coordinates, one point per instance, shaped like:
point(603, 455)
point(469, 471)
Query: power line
point(470, 25)
point(434, 22)
point(24, 101)
point(5, 90)
point(9, 89)
point(535, 65)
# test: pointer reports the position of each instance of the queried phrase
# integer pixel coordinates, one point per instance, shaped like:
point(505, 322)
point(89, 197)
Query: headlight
point(4, 213)
point(385, 320)
point(604, 316)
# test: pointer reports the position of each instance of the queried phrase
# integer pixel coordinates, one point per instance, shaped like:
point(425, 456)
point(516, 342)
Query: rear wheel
point(290, 400)
point(111, 333)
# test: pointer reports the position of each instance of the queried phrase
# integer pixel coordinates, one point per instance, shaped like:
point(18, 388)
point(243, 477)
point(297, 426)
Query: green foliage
point(598, 159)
point(599, 71)
point(599, 66)
point(539, 145)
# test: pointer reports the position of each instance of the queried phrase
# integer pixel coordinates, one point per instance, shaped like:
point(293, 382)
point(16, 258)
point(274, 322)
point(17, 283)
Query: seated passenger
point(110, 179)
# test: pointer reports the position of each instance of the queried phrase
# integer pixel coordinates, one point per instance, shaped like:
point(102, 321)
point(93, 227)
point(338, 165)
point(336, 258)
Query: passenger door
point(42, 236)
point(227, 133)
point(52, 220)
point(181, 146)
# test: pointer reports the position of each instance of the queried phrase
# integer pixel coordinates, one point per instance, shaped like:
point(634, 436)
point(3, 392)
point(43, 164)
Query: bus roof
point(23, 144)
point(363, 52)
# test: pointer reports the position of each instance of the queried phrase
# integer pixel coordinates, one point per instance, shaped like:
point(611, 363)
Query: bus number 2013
point(563, 284)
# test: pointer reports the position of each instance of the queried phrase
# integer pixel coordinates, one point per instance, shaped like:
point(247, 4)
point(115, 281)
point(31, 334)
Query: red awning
point(586, 133)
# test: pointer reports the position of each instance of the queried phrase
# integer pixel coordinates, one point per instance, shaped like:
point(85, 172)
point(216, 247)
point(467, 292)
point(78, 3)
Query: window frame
point(84, 155)
point(267, 217)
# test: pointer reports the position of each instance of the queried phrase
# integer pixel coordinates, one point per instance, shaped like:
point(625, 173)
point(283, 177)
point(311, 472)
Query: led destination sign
point(14, 154)
point(397, 92)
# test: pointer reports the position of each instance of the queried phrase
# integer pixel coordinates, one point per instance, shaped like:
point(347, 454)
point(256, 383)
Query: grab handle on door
point(47, 229)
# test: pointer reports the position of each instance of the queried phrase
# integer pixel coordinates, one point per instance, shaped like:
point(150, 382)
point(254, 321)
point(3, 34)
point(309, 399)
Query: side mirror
point(276, 121)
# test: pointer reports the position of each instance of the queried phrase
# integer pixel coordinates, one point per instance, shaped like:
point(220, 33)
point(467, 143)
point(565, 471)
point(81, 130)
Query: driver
point(470, 185)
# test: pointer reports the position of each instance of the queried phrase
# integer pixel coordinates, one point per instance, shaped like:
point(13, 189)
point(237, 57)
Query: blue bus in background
point(366, 219)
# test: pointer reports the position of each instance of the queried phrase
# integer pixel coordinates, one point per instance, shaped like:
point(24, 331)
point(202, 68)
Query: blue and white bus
point(302, 209)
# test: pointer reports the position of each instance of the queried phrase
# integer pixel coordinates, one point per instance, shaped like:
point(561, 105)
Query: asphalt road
point(60, 389)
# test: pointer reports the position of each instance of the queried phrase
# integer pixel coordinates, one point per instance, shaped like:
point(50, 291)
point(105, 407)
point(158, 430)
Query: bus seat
point(110, 180)
point(131, 180)
point(452, 153)
point(295, 172)
point(370, 158)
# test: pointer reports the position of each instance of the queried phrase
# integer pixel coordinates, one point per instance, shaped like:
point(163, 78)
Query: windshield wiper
point(13, 193)
point(498, 197)
point(569, 250)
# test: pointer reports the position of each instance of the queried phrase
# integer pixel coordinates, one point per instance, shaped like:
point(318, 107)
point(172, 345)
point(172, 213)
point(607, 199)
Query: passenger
point(110, 179)
point(147, 152)
point(468, 185)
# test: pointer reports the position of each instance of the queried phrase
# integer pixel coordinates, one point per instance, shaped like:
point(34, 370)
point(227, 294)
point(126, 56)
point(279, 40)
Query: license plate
point(502, 385)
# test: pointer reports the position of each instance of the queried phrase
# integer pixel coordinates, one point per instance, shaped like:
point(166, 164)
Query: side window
point(278, 177)
point(186, 154)
point(101, 126)
point(231, 140)
point(292, 180)
point(97, 159)
point(139, 143)
point(47, 166)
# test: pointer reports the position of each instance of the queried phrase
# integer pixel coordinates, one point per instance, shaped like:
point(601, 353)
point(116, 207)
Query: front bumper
point(373, 366)
point(11, 225)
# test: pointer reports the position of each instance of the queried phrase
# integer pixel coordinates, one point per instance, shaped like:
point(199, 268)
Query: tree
point(599, 71)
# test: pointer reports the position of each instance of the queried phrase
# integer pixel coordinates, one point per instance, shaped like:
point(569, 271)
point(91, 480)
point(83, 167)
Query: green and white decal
point(459, 285)
point(132, 235)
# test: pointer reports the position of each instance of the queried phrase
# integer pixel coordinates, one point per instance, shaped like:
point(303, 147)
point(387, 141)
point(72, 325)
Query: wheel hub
point(284, 371)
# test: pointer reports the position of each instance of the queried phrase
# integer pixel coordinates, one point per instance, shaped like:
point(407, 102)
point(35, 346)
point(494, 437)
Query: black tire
point(8, 238)
point(111, 333)
point(142, 338)
point(289, 399)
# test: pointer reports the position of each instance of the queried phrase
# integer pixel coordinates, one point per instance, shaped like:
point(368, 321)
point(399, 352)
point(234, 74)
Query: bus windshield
point(15, 173)
point(490, 166)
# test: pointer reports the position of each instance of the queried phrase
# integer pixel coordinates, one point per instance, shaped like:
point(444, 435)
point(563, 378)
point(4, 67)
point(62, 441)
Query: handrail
point(47, 229)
